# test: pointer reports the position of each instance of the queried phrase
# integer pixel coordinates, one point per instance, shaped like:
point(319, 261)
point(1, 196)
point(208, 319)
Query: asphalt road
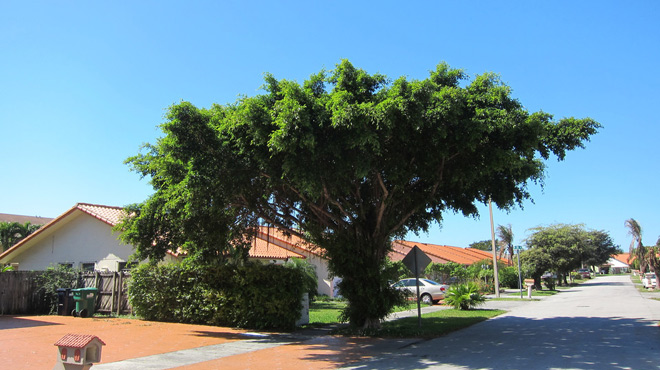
point(603, 324)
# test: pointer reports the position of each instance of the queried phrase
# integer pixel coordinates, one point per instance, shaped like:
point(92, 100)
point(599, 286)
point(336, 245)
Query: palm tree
point(13, 232)
point(639, 252)
point(505, 235)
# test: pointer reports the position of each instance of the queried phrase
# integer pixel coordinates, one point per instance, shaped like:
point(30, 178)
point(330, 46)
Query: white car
point(429, 291)
point(649, 280)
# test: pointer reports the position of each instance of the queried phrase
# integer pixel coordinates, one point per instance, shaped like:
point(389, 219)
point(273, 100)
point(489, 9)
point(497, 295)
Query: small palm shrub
point(464, 296)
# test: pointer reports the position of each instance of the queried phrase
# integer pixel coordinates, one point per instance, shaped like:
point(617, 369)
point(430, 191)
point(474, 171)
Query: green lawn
point(433, 324)
point(327, 312)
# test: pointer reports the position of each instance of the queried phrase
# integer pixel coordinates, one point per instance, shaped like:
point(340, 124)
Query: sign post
point(417, 260)
point(518, 248)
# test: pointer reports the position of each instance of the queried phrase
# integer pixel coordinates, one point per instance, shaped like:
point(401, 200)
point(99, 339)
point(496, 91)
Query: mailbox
point(78, 351)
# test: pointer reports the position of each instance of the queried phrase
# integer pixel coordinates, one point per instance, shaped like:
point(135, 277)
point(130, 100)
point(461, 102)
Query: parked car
point(584, 273)
point(429, 291)
point(549, 275)
point(649, 280)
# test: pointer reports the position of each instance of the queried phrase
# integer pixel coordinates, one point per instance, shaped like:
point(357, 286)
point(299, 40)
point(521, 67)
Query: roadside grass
point(535, 293)
point(434, 324)
point(637, 281)
point(328, 311)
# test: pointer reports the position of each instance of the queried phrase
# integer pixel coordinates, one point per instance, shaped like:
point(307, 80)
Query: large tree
point(347, 160)
point(563, 248)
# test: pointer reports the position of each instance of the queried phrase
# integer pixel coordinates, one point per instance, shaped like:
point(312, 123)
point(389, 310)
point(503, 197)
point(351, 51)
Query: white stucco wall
point(79, 238)
point(322, 273)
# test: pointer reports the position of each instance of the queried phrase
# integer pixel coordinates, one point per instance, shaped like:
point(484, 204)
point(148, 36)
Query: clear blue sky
point(85, 83)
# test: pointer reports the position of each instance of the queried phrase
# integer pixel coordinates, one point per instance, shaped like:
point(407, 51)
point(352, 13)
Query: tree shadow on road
point(511, 342)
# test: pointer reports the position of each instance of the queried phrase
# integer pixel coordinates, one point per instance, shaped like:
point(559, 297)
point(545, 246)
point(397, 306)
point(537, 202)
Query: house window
point(87, 266)
point(123, 266)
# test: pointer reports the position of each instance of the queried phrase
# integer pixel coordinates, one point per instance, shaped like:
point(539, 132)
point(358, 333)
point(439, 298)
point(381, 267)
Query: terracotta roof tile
point(263, 249)
point(445, 253)
point(291, 242)
point(107, 214)
point(623, 257)
point(77, 340)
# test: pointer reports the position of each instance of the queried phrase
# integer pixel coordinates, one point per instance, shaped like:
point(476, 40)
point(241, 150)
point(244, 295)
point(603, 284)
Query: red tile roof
point(442, 253)
point(110, 215)
point(77, 340)
point(264, 249)
point(288, 240)
point(623, 257)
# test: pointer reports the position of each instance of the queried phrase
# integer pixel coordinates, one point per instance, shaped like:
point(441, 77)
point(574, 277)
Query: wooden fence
point(112, 286)
point(21, 295)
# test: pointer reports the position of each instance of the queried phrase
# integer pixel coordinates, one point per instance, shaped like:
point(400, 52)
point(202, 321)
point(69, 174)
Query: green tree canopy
point(348, 160)
point(562, 248)
point(484, 245)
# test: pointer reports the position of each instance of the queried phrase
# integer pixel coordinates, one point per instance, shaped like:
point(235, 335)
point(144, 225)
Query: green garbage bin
point(85, 299)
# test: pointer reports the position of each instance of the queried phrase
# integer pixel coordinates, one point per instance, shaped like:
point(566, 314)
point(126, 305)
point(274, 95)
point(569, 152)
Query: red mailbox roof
point(77, 340)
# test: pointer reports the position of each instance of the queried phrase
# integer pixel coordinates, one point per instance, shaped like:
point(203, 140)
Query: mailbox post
point(530, 285)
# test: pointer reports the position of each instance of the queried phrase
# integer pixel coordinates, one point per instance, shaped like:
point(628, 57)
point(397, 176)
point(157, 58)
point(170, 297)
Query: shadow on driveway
point(511, 342)
point(13, 322)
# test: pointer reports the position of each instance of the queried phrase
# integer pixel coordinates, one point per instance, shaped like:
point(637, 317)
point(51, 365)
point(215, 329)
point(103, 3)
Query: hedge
point(251, 296)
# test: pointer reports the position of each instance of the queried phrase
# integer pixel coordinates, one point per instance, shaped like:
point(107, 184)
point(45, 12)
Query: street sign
point(517, 248)
point(416, 260)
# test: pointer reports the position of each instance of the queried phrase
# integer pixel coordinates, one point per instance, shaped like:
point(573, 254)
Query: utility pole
point(496, 278)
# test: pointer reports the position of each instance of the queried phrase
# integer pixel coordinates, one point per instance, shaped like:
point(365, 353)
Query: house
point(34, 220)
point(82, 238)
point(617, 264)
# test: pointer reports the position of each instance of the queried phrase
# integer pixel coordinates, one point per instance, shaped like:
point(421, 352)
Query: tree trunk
point(365, 281)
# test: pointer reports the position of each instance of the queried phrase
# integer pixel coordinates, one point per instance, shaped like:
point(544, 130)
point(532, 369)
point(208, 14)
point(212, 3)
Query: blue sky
point(85, 84)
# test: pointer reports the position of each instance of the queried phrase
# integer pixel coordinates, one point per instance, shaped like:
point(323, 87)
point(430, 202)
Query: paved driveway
point(603, 324)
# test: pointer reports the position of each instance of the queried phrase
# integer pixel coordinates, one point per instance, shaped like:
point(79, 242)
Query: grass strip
point(434, 324)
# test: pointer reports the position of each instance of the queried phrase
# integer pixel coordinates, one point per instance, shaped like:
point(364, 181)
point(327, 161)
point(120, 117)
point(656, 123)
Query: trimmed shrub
point(251, 296)
point(508, 277)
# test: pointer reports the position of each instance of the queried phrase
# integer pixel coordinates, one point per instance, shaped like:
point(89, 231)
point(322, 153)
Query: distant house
point(34, 220)
point(617, 264)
